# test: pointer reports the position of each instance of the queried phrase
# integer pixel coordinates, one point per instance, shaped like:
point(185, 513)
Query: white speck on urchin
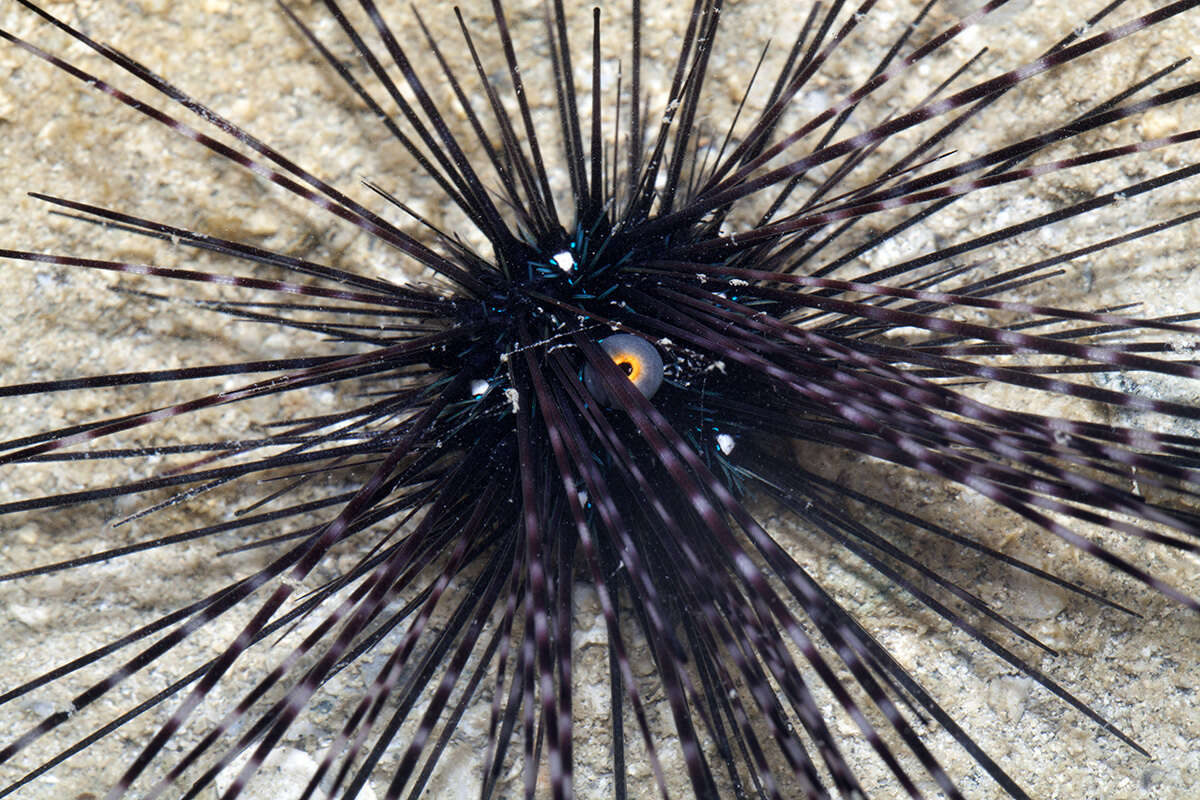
point(564, 261)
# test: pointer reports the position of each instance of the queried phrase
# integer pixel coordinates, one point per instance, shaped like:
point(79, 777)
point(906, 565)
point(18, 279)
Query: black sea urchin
point(450, 478)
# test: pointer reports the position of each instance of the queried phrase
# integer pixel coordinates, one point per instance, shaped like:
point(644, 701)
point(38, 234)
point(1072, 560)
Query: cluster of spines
point(804, 361)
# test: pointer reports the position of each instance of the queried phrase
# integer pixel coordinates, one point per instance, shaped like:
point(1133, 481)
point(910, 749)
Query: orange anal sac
point(630, 364)
point(638, 360)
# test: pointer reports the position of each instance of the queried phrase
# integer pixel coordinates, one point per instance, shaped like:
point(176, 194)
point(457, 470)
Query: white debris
point(564, 261)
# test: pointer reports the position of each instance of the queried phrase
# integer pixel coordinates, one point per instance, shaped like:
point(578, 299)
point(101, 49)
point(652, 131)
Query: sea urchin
point(427, 497)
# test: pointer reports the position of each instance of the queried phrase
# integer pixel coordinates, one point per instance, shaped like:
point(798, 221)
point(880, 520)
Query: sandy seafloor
point(242, 58)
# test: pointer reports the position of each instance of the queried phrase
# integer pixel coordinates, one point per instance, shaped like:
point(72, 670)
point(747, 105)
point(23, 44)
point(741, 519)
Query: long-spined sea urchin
point(170, 320)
